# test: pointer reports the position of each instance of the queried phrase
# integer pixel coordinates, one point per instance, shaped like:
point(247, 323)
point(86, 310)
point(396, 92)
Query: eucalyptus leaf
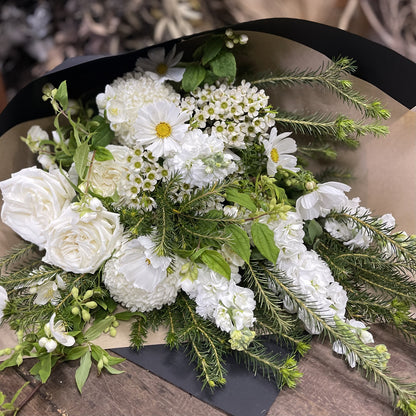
point(102, 154)
point(224, 65)
point(212, 49)
point(102, 135)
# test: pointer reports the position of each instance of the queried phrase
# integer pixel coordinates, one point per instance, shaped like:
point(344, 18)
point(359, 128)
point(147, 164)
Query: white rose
point(80, 241)
point(3, 300)
point(32, 199)
point(106, 175)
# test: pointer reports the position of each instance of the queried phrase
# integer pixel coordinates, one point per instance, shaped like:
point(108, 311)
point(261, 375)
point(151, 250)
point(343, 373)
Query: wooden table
point(328, 388)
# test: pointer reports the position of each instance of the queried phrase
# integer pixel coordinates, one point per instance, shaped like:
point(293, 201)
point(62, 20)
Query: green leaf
point(244, 200)
point(212, 49)
point(83, 370)
point(263, 239)
point(61, 95)
point(75, 353)
point(239, 242)
point(103, 135)
point(192, 77)
point(127, 315)
point(112, 370)
point(314, 230)
point(97, 328)
point(224, 65)
point(81, 159)
point(102, 153)
point(2, 398)
point(216, 262)
point(45, 367)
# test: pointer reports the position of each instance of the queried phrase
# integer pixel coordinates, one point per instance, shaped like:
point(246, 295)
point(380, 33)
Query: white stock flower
point(3, 301)
point(138, 278)
point(33, 199)
point(324, 198)
point(160, 127)
point(82, 238)
point(35, 136)
point(57, 331)
point(160, 66)
point(277, 149)
point(202, 159)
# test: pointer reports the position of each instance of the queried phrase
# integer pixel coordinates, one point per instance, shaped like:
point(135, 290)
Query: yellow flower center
point(162, 68)
point(274, 154)
point(148, 262)
point(163, 130)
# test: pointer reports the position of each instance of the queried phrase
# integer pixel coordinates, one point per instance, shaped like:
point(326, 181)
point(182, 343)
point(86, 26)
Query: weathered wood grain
point(328, 388)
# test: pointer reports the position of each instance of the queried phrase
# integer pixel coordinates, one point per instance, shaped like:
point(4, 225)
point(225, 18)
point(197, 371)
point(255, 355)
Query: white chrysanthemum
point(160, 127)
point(277, 149)
point(125, 96)
point(160, 66)
point(202, 159)
point(138, 278)
point(324, 198)
point(3, 301)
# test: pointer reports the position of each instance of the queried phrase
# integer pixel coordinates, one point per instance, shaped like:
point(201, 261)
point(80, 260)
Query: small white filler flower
point(55, 333)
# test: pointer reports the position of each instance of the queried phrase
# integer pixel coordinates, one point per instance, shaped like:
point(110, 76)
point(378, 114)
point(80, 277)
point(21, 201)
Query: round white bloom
point(160, 66)
point(82, 238)
point(122, 100)
point(361, 330)
point(33, 199)
point(47, 162)
point(138, 278)
point(3, 301)
point(326, 197)
point(160, 127)
point(105, 176)
point(277, 149)
point(202, 159)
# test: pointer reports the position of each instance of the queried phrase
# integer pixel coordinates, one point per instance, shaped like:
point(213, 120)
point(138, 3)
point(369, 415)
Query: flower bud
point(113, 332)
point(19, 359)
point(116, 324)
point(91, 304)
point(75, 310)
point(85, 315)
point(100, 364)
point(88, 294)
point(74, 292)
point(105, 360)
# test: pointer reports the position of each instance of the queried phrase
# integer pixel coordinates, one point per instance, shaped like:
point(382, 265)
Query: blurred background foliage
point(38, 35)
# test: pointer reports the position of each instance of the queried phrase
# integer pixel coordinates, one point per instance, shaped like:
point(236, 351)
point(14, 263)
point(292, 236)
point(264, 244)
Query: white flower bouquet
point(181, 194)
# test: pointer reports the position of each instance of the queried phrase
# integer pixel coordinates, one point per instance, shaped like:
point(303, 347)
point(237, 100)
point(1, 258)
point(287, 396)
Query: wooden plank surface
point(328, 388)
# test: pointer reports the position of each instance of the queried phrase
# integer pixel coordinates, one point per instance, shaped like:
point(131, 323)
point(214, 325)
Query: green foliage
point(9, 407)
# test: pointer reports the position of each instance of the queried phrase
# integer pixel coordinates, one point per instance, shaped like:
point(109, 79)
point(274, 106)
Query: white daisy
point(161, 127)
point(277, 149)
point(160, 66)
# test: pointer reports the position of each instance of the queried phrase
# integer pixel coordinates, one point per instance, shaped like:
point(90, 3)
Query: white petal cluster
point(33, 199)
point(125, 96)
point(47, 290)
point(323, 198)
point(235, 114)
point(82, 237)
point(221, 300)
point(348, 231)
point(55, 333)
point(202, 159)
point(309, 274)
point(138, 278)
